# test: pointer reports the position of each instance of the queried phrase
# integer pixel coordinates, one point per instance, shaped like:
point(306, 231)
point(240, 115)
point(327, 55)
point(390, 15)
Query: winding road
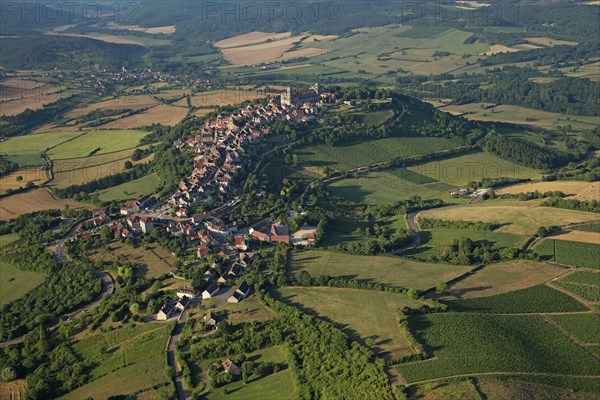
point(106, 291)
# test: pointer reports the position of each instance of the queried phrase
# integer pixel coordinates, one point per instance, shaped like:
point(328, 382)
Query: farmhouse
point(210, 319)
point(230, 367)
point(210, 291)
point(241, 292)
point(186, 291)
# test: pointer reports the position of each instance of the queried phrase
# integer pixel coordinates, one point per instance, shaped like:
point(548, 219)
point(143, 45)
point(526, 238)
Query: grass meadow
point(15, 282)
point(504, 277)
point(362, 314)
point(391, 271)
point(277, 386)
point(146, 185)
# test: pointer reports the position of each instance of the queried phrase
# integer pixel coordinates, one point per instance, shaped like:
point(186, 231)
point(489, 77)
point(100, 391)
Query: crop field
point(25, 150)
point(435, 241)
point(15, 282)
point(163, 114)
point(535, 299)
point(520, 115)
point(576, 254)
point(134, 102)
point(476, 343)
point(583, 326)
point(33, 174)
point(510, 388)
point(260, 52)
point(277, 386)
point(578, 236)
point(33, 200)
point(516, 217)
point(132, 189)
point(410, 50)
point(459, 171)
point(81, 170)
point(358, 154)
point(393, 271)
point(579, 190)
point(504, 277)
point(250, 38)
point(214, 98)
point(361, 314)
point(97, 142)
point(14, 390)
point(586, 292)
point(17, 95)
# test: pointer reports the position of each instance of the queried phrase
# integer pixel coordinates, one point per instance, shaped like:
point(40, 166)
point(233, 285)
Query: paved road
point(172, 349)
point(106, 291)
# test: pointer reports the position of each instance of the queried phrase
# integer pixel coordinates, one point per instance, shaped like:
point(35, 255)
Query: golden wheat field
point(34, 200)
point(573, 189)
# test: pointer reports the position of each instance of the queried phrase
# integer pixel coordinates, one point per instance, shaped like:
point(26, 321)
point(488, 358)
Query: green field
point(357, 154)
point(129, 190)
point(435, 241)
point(8, 239)
point(504, 277)
point(393, 271)
point(97, 142)
point(25, 150)
point(277, 386)
point(123, 361)
point(472, 343)
point(14, 282)
point(417, 32)
point(576, 254)
point(361, 314)
point(585, 327)
point(535, 299)
point(459, 171)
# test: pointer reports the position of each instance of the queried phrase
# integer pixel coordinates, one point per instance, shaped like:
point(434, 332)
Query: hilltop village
point(220, 153)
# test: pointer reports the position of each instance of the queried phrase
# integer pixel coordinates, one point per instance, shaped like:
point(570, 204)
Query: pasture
point(25, 150)
point(520, 115)
point(277, 386)
point(504, 277)
point(150, 261)
point(578, 190)
point(435, 241)
point(33, 200)
point(459, 171)
point(362, 314)
point(384, 187)
point(391, 271)
point(15, 282)
point(478, 343)
point(146, 185)
point(516, 217)
point(97, 142)
point(251, 309)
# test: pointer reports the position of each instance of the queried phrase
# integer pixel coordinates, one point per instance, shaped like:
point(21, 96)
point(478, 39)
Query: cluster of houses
point(174, 307)
point(271, 232)
point(222, 143)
